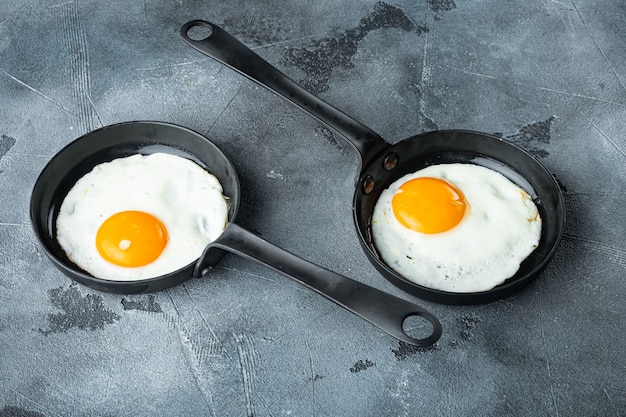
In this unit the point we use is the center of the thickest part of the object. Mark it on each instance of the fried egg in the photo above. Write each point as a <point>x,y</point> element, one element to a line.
<point>141,216</point>
<point>455,227</point>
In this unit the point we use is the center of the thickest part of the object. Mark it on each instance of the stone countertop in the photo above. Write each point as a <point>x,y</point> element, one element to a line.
<point>548,76</point>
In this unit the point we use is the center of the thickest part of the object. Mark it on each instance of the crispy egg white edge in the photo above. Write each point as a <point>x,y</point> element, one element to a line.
<point>500,230</point>
<point>185,197</point>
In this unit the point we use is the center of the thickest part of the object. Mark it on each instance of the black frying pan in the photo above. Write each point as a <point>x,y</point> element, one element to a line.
<point>382,163</point>
<point>79,157</point>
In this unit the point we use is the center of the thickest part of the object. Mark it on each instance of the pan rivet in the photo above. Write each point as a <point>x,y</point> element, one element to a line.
<point>390,161</point>
<point>368,184</point>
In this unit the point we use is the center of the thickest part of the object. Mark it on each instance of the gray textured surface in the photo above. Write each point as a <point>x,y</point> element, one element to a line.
<point>547,75</point>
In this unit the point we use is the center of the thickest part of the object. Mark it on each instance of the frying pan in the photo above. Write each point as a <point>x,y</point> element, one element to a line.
<point>382,163</point>
<point>120,140</point>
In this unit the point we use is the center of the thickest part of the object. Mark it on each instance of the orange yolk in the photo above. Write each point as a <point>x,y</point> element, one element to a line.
<point>429,205</point>
<point>131,238</point>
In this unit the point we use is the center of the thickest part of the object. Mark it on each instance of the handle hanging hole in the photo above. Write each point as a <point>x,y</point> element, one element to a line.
<point>418,327</point>
<point>199,32</point>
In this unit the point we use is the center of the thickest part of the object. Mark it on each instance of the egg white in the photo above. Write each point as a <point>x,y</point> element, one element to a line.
<point>499,230</point>
<point>187,199</point>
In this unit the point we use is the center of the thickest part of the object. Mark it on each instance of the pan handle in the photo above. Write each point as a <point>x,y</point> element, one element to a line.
<point>383,310</point>
<point>227,50</point>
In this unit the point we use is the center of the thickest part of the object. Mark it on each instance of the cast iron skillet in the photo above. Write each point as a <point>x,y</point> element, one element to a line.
<point>79,157</point>
<point>382,163</point>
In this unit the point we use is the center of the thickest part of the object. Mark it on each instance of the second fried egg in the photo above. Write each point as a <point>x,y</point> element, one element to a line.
<point>455,227</point>
<point>141,216</point>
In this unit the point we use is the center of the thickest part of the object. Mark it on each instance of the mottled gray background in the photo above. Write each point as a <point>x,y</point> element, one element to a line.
<point>547,75</point>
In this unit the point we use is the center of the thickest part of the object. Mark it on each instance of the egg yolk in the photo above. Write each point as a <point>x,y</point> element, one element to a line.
<point>131,238</point>
<point>429,205</point>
